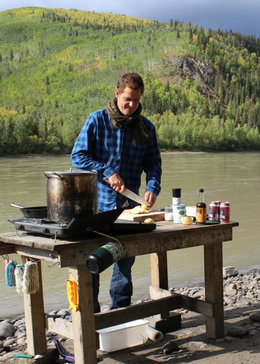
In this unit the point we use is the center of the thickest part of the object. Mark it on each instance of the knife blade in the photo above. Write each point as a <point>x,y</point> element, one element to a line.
<point>133,196</point>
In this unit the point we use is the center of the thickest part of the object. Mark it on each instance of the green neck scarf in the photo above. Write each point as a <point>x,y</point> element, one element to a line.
<point>140,134</point>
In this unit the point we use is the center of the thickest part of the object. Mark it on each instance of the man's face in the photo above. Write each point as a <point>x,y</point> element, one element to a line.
<point>128,100</point>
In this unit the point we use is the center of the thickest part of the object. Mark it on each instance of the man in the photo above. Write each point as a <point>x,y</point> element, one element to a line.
<point>120,144</point>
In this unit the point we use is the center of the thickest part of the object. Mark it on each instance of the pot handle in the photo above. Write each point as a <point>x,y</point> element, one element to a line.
<point>56,174</point>
<point>15,205</point>
<point>47,174</point>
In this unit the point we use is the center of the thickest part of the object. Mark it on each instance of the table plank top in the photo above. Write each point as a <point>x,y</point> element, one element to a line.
<point>164,231</point>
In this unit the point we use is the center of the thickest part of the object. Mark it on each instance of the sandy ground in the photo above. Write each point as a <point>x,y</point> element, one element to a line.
<point>194,346</point>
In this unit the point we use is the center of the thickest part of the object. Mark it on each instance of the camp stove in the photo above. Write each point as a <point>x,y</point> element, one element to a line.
<point>106,222</point>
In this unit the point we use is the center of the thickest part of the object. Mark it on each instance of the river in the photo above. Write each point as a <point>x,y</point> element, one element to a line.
<point>233,177</point>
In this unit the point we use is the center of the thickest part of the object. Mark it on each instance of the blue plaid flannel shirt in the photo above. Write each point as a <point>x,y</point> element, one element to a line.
<point>107,149</point>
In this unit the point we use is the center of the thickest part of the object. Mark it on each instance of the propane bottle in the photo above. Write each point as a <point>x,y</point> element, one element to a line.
<point>201,208</point>
<point>105,256</point>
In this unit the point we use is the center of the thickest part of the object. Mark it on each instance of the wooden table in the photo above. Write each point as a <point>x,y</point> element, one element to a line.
<point>73,254</point>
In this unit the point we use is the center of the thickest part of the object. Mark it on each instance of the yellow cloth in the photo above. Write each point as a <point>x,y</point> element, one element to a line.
<point>72,293</point>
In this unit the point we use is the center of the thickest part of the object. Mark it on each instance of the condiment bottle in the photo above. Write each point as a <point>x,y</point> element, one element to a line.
<point>201,209</point>
<point>168,213</point>
<point>176,196</point>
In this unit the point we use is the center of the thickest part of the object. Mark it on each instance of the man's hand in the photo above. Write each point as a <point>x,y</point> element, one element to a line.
<point>150,198</point>
<point>116,183</point>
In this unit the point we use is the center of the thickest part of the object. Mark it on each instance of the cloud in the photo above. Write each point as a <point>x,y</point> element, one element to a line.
<point>240,16</point>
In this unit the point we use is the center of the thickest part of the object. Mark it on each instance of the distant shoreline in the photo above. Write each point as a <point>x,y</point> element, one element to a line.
<point>171,152</point>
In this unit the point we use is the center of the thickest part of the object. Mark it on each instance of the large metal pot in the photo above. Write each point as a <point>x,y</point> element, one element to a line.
<point>71,194</point>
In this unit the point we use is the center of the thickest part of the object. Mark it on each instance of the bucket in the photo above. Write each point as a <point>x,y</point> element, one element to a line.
<point>71,194</point>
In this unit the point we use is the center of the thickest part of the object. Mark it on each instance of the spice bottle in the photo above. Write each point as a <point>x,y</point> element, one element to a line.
<point>201,209</point>
<point>168,213</point>
<point>105,256</point>
<point>176,196</point>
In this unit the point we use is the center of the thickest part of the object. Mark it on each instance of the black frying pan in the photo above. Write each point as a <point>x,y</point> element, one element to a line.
<point>102,221</point>
<point>36,212</point>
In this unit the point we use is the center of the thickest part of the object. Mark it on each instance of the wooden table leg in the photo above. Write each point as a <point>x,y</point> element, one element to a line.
<point>159,270</point>
<point>159,273</point>
<point>213,264</point>
<point>35,319</point>
<point>83,320</point>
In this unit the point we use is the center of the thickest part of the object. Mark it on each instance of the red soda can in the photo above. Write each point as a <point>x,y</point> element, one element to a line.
<point>214,211</point>
<point>224,212</point>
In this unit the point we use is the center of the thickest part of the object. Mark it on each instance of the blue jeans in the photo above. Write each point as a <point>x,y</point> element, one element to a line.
<point>95,287</point>
<point>121,286</point>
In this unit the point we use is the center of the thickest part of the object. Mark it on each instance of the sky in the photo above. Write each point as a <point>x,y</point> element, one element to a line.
<point>241,16</point>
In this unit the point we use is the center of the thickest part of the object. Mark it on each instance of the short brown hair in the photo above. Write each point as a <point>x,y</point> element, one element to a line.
<point>130,79</point>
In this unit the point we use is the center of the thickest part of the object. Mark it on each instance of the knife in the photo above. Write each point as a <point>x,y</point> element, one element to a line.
<point>133,196</point>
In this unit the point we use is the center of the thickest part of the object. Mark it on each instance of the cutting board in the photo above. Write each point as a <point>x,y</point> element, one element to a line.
<point>155,215</point>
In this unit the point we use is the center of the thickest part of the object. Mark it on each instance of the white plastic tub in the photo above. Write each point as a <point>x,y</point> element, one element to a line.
<point>123,336</point>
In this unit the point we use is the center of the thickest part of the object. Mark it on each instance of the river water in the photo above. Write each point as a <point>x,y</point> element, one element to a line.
<point>233,177</point>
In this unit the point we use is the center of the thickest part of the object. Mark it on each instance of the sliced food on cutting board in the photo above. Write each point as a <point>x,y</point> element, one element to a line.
<point>139,213</point>
<point>140,209</point>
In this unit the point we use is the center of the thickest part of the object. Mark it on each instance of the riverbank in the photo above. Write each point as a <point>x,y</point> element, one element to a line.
<point>189,344</point>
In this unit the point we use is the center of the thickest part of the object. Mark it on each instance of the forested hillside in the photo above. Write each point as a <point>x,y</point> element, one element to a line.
<point>202,87</point>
